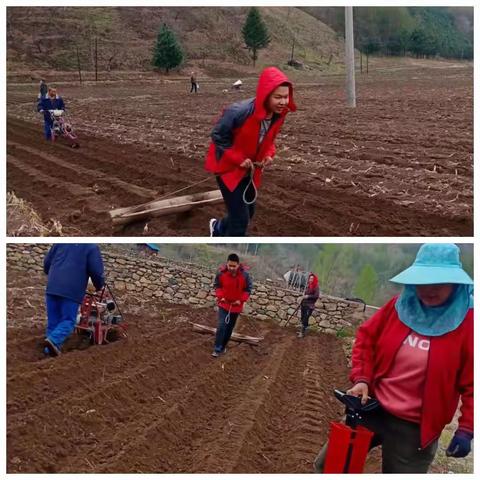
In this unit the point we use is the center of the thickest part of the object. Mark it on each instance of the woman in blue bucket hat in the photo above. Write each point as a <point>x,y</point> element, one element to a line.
<point>415,355</point>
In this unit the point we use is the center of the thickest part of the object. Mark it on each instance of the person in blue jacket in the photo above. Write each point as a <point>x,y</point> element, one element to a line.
<point>68,266</point>
<point>50,101</point>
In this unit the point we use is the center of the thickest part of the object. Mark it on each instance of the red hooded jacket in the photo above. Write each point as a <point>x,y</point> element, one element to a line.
<point>232,288</point>
<point>235,137</point>
<point>449,369</point>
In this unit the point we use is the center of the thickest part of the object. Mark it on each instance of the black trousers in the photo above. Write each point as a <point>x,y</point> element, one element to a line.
<point>239,214</point>
<point>225,325</point>
<point>306,312</point>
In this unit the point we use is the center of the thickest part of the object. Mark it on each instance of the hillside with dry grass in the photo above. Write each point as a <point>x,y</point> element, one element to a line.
<point>48,38</point>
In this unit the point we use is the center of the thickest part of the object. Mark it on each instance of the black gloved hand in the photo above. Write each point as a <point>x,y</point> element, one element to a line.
<point>460,445</point>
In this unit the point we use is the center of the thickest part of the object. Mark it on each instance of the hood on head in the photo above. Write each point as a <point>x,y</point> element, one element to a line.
<point>314,282</point>
<point>270,79</point>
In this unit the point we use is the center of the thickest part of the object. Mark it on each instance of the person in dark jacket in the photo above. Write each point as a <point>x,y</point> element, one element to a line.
<point>193,81</point>
<point>232,289</point>
<point>415,356</point>
<point>68,266</point>
<point>43,88</point>
<point>243,145</point>
<point>307,305</point>
<point>48,102</point>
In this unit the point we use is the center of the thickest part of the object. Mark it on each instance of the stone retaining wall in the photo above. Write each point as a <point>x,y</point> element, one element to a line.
<point>187,283</point>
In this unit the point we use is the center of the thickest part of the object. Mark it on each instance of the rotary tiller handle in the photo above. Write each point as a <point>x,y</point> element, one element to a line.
<point>102,293</point>
<point>107,286</point>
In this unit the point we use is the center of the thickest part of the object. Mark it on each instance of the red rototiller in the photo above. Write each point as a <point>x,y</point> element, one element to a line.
<point>100,317</point>
<point>61,127</point>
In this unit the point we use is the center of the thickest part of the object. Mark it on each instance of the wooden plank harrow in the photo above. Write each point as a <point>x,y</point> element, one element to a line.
<point>236,337</point>
<point>158,208</point>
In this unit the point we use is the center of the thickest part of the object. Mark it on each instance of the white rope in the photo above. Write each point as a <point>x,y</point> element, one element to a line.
<point>255,195</point>
<point>184,188</point>
<point>227,318</point>
<point>247,202</point>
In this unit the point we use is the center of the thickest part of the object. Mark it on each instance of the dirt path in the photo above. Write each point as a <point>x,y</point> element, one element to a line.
<point>400,164</point>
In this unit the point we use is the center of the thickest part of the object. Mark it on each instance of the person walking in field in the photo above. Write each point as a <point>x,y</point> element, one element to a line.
<point>415,356</point>
<point>193,81</point>
<point>307,304</point>
<point>243,144</point>
<point>51,101</point>
<point>232,289</point>
<point>68,266</point>
<point>43,88</point>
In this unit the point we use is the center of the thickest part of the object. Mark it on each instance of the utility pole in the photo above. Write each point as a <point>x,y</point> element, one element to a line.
<point>96,61</point>
<point>350,58</point>
<point>79,68</point>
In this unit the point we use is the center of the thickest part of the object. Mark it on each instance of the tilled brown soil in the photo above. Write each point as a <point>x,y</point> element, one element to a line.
<point>401,163</point>
<point>158,402</point>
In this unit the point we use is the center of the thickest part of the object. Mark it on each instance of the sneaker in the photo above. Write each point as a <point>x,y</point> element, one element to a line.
<point>53,350</point>
<point>211,225</point>
<point>220,353</point>
<point>301,334</point>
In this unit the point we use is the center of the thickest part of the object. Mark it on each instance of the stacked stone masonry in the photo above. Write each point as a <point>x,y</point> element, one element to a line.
<point>159,278</point>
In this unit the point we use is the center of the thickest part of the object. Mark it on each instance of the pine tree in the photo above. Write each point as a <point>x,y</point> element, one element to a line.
<point>167,53</point>
<point>255,33</point>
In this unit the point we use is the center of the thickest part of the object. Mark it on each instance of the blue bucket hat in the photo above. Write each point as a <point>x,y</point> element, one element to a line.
<point>435,263</point>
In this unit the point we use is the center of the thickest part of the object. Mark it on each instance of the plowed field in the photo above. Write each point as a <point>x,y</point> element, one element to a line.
<point>158,402</point>
<point>401,163</point>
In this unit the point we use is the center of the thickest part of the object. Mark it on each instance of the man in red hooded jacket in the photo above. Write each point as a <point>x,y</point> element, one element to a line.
<point>232,289</point>
<point>243,145</point>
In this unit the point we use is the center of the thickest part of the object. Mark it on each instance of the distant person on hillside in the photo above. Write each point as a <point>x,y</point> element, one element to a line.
<point>415,356</point>
<point>232,289</point>
<point>193,81</point>
<point>43,88</point>
<point>307,304</point>
<point>68,266</point>
<point>51,101</point>
<point>243,145</point>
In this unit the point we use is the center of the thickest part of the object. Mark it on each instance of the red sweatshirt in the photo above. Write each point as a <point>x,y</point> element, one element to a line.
<point>232,288</point>
<point>449,371</point>
<point>400,392</point>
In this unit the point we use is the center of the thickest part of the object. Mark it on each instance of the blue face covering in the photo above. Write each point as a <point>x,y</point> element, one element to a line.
<point>434,321</point>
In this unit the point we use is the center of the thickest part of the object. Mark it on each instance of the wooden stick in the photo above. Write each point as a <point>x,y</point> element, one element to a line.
<point>236,337</point>
<point>169,206</point>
